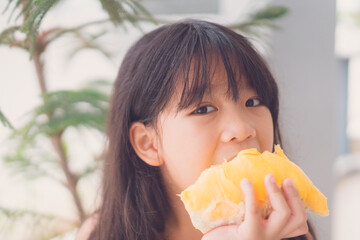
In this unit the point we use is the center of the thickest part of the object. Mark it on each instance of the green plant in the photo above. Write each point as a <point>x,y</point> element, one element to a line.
<point>65,110</point>
<point>260,19</point>
<point>5,121</point>
<point>61,110</point>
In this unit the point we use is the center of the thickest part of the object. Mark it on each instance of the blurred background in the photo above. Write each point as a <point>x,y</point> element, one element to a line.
<point>55,85</point>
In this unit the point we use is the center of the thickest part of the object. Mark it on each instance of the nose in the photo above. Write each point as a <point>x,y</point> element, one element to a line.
<point>237,128</point>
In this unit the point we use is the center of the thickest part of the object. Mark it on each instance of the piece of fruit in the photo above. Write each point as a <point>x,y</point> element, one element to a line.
<point>216,198</point>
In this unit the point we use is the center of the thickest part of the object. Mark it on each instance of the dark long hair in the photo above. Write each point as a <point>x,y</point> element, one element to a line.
<point>135,204</point>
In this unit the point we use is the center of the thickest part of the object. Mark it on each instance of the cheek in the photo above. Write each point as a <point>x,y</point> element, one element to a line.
<point>266,132</point>
<point>185,152</point>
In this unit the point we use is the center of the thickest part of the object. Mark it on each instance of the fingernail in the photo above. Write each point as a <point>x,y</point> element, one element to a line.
<point>245,183</point>
<point>272,179</point>
<point>272,186</point>
<point>291,186</point>
<point>290,183</point>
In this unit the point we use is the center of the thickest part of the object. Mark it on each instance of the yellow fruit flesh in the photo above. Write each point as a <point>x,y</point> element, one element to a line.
<point>219,188</point>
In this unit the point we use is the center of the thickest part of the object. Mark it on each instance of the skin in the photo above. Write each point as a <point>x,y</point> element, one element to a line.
<point>288,218</point>
<point>192,140</point>
<point>185,143</point>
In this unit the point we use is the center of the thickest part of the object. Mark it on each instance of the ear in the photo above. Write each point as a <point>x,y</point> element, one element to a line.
<point>144,141</point>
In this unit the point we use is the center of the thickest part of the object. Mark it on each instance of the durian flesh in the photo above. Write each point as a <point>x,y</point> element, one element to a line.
<point>216,199</point>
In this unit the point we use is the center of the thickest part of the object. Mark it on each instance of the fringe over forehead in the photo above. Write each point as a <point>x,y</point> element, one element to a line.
<point>185,53</point>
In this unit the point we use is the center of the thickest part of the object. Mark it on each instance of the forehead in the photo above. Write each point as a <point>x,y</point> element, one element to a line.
<point>195,83</point>
<point>215,75</point>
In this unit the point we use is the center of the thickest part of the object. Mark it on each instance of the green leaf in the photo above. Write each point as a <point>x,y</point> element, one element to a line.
<point>59,32</point>
<point>95,84</point>
<point>29,158</point>
<point>86,107</point>
<point>79,100</point>
<point>251,25</point>
<point>5,121</point>
<point>20,5</point>
<point>7,36</point>
<point>89,42</point>
<point>270,13</point>
<point>144,11</point>
<point>259,21</point>
<point>33,154</point>
<point>35,16</point>
<point>40,225</point>
<point>118,13</point>
<point>33,13</point>
<point>73,119</point>
<point>114,9</point>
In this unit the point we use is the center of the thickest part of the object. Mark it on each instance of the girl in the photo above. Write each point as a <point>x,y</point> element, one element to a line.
<point>188,96</point>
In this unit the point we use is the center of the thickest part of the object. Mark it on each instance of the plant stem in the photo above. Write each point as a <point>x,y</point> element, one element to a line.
<point>71,179</point>
<point>39,66</point>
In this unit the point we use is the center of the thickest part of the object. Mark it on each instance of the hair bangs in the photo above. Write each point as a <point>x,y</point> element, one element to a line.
<point>209,52</point>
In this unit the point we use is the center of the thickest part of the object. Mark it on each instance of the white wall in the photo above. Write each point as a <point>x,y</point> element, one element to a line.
<point>312,100</point>
<point>303,61</point>
<point>19,93</point>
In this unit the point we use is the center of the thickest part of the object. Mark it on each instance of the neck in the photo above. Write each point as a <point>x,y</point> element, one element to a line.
<point>178,225</point>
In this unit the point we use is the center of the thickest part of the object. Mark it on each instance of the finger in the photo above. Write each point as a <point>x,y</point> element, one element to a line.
<point>297,224</point>
<point>281,211</point>
<point>225,232</point>
<point>303,230</point>
<point>252,210</point>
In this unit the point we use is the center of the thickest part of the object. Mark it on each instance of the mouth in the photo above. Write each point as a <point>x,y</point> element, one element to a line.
<point>231,157</point>
<point>228,159</point>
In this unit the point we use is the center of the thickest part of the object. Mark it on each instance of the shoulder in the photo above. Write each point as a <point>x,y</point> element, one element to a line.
<point>309,236</point>
<point>87,227</point>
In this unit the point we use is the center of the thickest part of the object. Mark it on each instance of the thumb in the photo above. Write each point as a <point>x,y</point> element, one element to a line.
<point>229,232</point>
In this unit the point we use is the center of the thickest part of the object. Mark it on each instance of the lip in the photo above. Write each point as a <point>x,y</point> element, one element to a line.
<point>228,159</point>
<point>231,158</point>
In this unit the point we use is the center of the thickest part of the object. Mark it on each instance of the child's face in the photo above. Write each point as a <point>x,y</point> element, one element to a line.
<point>196,138</point>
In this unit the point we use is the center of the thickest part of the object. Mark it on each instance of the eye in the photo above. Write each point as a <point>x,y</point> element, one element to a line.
<point>253,102</point>
<point>204,110</point>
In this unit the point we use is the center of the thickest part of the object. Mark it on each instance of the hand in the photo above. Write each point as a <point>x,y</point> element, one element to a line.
<point>287,219</point>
